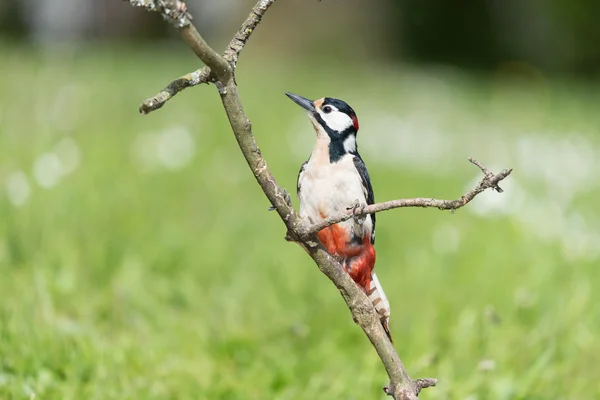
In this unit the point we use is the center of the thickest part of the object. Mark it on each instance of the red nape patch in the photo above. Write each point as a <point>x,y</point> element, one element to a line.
<point>355,121</point>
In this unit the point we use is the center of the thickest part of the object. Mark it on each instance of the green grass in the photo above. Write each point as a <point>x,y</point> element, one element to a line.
<point>134,281</point>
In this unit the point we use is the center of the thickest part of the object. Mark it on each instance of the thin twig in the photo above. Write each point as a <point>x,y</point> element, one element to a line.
<point>489,175</point>
<point>239,40</point>
<point>191,79</point>
<point>490,180</point>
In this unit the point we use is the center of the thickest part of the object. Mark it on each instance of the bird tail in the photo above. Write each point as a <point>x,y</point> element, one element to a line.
<point>381,303</point>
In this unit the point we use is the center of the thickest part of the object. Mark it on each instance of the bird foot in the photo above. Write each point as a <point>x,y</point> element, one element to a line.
<point>358,218</point>
<point>287,198</point>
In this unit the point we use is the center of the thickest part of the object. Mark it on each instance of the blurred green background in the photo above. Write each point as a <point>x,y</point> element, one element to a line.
<point>137,256</point>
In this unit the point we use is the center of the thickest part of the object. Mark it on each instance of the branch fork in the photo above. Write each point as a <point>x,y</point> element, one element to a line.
<point>220,69</point>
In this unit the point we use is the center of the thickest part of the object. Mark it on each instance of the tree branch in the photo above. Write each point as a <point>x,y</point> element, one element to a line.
<point>240,39</point>
<point>199,46</point>
<point>173,11</point>
<point>191,79</point>
<point>401,386</point>
<point>490,180</point>
<point>213,60</point>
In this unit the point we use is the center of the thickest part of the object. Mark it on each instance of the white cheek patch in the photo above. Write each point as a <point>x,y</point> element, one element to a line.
<point>350,144</point>
<point>338,121</point>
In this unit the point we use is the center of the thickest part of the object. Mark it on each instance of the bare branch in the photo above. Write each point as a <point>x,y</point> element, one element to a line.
<point>191,79</point>
<point>173,11</point>
<point>489,181</point>
<point>213,60</point>
<point>200,47</point>
<point>489,175</point>
<point>240,39</point>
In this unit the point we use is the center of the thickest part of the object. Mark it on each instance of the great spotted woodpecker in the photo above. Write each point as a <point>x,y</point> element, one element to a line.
<point>335,179</point>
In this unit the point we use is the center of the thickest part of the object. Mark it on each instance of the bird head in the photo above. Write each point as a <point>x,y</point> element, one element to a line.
<point>331,118</point>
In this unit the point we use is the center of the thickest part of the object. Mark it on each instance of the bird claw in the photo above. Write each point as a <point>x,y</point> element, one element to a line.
<point>288,200</point>
<point>358,219</point>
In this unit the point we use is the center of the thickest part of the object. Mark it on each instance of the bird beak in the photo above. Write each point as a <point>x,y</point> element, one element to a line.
<point>303,102</point>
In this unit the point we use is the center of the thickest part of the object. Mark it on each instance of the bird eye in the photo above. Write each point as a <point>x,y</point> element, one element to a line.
<point>326,109</point>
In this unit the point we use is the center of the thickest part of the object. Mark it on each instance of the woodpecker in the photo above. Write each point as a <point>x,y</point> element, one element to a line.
<point>335,179</point>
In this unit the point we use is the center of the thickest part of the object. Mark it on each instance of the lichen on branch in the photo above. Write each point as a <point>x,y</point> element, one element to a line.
<point>173,11</point>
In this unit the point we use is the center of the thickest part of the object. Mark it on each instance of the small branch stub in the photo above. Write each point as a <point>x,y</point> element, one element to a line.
<point>424,383</point>
<point>191,79</point>
<point>492,179</point>
<point>402,393</point>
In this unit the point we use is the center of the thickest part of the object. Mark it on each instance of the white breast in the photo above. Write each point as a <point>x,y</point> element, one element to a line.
<point>328,189</point>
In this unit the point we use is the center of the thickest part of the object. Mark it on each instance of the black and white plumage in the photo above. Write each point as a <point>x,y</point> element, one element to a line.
<point>334,179</point>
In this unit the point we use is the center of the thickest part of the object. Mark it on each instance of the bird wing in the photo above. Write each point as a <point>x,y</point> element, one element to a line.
<point>300,177</point>
<point>367,188</point>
